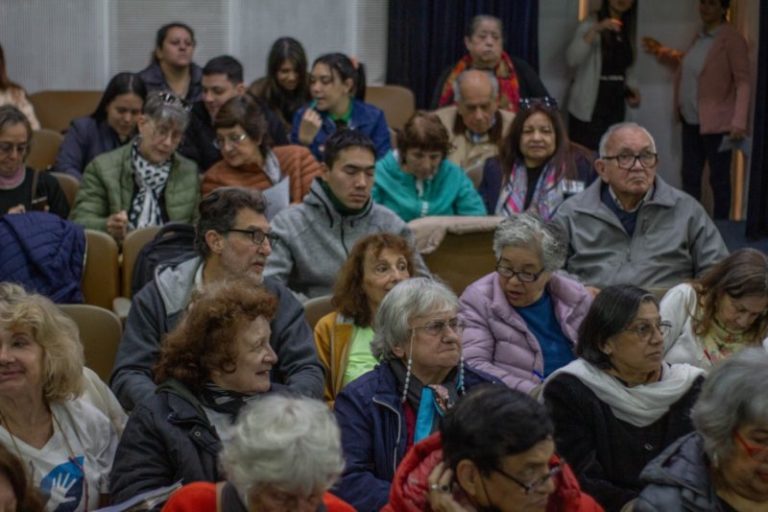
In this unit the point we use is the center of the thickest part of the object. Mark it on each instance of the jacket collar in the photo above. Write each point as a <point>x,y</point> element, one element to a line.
<point>664,196</point>
<point>318,199</point>
<point>386,388</point>
<point>175,284</point>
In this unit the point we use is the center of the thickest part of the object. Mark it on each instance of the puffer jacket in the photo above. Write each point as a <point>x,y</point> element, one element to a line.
<point>679,479</point>
<point>168,439</point>
<point>496,339</point>
<point>374,434</point>
<point>410,486</point>
<point>108,187</point>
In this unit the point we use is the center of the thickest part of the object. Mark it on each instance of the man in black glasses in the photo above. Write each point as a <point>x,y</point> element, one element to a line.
<point>232,240</point>
<point>633,227</point>
<point>222,80</point>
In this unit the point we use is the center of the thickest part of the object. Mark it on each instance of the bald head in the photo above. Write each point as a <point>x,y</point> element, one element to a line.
<point>476,93</point>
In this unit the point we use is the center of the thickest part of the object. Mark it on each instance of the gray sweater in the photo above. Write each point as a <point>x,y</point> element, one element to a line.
<point>156,310</point>
<point>315,240</point>
<point>674,240</point>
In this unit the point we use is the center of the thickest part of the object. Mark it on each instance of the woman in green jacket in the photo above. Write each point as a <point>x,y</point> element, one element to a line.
<point>417,180</point>
<point>144,183</point>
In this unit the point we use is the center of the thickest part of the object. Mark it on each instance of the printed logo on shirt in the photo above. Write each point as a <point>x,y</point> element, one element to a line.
<point>64,486</point>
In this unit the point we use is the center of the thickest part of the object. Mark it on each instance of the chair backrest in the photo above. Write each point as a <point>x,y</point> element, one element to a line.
<point>317,308</point>
<point>458,250</point>
<point>101,283</point>
<point>397,102</point>
<point>69,185</point>
<point>132,245</point>
<point>100,333</point>
<point>56,109</point>
<point>44,148</point>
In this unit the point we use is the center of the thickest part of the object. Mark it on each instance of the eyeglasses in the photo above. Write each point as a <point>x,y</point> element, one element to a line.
<point>235,140</point>
<point>257,236</point>
<point>523,277</point>
<point>171,99</point>
<point>6,148</point>
<point>645,330</point>
<point>437,327</point>
<point>529,488</point>
<point>544,101</point>
<point>627,160</point>
<point>755,451</point>
<point>160,133</point>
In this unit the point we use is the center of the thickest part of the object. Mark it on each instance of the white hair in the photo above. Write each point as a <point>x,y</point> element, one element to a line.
<point>621,126</point>
<point>412,298</point>
<point>530,231</point>
<point>291,442</point>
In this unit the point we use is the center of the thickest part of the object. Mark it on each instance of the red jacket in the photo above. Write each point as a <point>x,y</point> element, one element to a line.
<point>409,487</point>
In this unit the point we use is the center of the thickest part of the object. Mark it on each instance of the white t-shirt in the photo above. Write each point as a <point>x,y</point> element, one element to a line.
<point>83,440</point>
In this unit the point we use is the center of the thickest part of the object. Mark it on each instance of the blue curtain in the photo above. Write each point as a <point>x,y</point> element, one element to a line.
<point>427,36</point>
<point>757,210</point>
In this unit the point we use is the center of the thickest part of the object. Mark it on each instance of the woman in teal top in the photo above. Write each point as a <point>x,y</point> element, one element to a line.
<point>417,180</point>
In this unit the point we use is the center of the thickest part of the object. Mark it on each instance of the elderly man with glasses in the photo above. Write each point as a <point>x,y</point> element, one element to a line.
<point>633,227</point>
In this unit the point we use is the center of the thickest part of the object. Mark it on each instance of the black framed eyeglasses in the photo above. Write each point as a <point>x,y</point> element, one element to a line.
<point>257,236</point>
<point>7,147</point>
<point>523,277</point>
<point>530,487</point>
<point>627,161</point>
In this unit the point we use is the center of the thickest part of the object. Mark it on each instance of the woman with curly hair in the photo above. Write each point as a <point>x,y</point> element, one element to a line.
<point>720,313</point>
<point>216,361</point>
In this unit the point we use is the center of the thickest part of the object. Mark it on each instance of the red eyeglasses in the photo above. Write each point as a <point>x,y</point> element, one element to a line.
<point>755,451</point>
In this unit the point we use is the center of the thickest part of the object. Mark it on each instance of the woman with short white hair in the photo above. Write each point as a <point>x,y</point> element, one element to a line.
<point>284,454</point>
<point>522,320</point>
<point>400,402</point>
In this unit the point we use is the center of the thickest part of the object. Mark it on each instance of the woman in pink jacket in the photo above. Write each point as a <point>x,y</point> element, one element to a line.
<point>522,320</point>
<point>712,88</point>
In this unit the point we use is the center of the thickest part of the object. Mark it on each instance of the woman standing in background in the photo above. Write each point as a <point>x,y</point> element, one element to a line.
<point>602,54</point>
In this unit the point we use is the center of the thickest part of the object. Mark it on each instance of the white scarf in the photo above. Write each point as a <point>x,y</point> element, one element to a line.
<point>150,180</point>
<point>638,405</point>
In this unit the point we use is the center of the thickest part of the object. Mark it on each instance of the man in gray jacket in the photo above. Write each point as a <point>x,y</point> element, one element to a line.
<point>317,235</point>
<point>631,226</point>
<point>233,240</point>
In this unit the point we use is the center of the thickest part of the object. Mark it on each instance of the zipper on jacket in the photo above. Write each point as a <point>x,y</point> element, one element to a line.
<point>399,431</point>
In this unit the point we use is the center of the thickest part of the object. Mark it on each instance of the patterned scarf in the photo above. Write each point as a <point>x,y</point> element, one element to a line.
<point>509,87</point>
<point>150,180</point>
<point>223,400</point>
<point>546,197</point>
<point>430,402</point>
<point>720,343</point>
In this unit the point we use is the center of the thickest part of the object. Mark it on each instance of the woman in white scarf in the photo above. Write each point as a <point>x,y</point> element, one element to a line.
<point>619,405</point>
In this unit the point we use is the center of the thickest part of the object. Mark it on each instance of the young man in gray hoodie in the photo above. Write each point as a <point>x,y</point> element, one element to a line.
<point>317,235</point>
<point>232,239</point>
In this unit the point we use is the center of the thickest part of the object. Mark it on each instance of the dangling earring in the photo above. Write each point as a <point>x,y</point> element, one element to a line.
<point>461,373</point>
<point>408,368</point>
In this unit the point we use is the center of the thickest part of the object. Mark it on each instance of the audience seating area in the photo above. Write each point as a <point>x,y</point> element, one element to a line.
<point>100,332</point>
<point>44,148</point>
<point>56,109</point>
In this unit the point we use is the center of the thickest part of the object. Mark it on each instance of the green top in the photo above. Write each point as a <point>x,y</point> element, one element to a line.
<point>360,359</point>
<point>347,115</point>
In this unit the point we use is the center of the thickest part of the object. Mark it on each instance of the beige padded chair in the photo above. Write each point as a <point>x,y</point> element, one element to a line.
<point>44,148</point>
<point>101,283</point>
<point>132,245</point>
<point>69,185</point>
<point>100,333</point>
<point>317,308</point>
<point>397,102</point>
<point>458,250</point>
<point>56,109</point>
